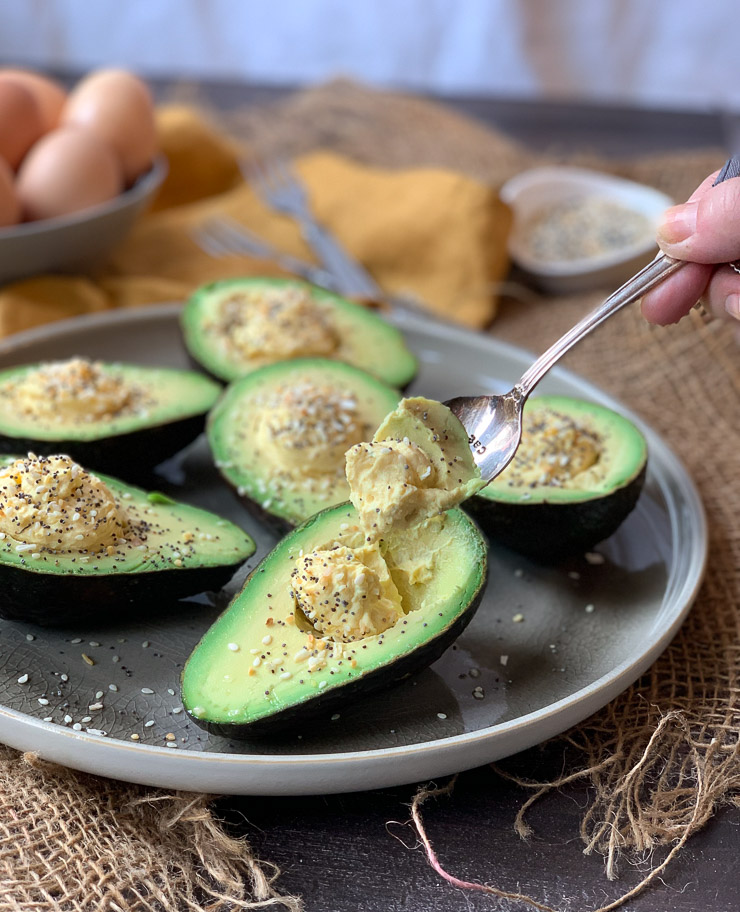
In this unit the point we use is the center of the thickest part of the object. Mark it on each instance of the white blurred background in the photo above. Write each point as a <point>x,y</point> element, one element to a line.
<point>652,53</point>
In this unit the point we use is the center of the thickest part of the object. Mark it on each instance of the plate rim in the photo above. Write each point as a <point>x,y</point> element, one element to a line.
<point>436,757</point>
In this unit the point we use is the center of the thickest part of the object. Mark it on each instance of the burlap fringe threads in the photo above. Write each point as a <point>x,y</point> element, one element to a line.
<point>624,813</point>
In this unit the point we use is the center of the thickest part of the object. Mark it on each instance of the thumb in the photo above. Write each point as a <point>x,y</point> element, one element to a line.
<point>706,229</point>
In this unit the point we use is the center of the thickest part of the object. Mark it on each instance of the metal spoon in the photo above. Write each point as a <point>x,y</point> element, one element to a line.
<point>494,423</point>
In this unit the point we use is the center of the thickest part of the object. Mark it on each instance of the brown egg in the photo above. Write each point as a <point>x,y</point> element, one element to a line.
<point>49,95</point>
<point>21,123</point>
<point>66,171</point>
<point>10,207</point>
<point>117,106</point>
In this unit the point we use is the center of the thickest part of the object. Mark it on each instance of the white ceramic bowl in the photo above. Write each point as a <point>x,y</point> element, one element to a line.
<point>539,188</point>
<point>75,242</point>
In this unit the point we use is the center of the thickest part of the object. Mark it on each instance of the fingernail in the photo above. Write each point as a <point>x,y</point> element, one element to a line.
<point>732,305</point>
<point>679,223</point>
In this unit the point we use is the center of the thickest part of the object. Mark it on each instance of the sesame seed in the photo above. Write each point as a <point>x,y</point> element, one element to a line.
<point>23,679</point>
<point>145,644</point>
<point>64,677</point>
<point>170,736</point>
<point>147,690</point>
<point>30,637</point>
<point>589,609</point>
<point>93,707</point>
<point>234,647</point>
<point>441,715</point>
<point>171,744</point>
<point>96,731</point>
<point>98,694</point>
<point>113,687</point>
<point>518,618</point>
<point>149,723</point>
<point>87,659</point>
<point>67,719</point>
<point>170,691</point>
<point>335,717</point>
<point>504,659</point>
<point>285,676</point>
<point>43,701</point>
<point>77,727</point>
<point>135,737</point>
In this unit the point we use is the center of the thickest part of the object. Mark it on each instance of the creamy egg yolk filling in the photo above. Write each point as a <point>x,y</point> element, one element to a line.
<point>280,324</point>
<point>54,504</point>
<point>305,429</point>
<point>76,390</point>
<point>555,451</point>
<point>398,482</point>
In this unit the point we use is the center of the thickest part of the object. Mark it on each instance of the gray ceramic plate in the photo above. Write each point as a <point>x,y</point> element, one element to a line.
<point>536,677</point>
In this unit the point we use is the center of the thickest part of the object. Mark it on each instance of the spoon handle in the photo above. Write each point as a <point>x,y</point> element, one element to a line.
<point>652,274</point>
<point>648,277</point>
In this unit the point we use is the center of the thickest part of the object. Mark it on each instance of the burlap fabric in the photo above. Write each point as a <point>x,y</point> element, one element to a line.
<point>661,757</point>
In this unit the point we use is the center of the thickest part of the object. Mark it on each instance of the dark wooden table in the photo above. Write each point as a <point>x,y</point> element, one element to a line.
<point>339,852</point>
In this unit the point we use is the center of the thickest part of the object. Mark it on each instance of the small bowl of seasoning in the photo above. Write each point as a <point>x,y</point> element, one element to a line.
<point>576,229</point>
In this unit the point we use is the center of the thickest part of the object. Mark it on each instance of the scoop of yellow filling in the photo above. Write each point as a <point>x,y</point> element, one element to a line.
<point>419,464</point>
<point>554,451</point>
<point>307,428</point>
<point>279,323</point>
<point>73,390</point>
<point>391,484</point>
<point>55,504</point>
<point>346,593</point>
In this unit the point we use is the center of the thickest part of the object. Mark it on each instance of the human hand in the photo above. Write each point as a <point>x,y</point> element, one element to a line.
<point>705,230</point>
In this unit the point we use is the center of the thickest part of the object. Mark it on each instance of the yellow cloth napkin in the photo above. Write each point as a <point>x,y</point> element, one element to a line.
<point>429,233</point>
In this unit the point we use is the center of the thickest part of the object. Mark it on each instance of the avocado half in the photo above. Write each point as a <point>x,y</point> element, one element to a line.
<point>551,522</point>
<point>287,496</point>
<point>363,338</point>
<point>59,588</point>
<point>173,415</point>
<point>251,674</point>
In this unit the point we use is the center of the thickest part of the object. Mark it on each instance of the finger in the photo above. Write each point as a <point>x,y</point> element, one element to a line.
<point>722,295</point>
<point>706,229</point>
<point>704,186</point>
<point>675,297</point>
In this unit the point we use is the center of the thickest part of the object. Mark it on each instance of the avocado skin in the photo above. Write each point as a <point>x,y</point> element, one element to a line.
<point>52,599</point>
<point>551,533</point>
<point>130,456</point>
<point>370,683</point>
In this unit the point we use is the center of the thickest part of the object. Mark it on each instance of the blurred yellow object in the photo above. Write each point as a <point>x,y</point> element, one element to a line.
<point>430,233</point>
<point>33,302</point>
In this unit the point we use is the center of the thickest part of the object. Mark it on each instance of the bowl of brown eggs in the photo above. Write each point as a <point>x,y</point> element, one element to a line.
<point>76,169</point>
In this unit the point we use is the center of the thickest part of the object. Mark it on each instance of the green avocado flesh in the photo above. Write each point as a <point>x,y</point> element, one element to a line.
<point>167,395</point>
<point>358,336</point>
<point>172,550</point>
<point>259,667</point>
<point>576,476</point>
<point>281,461</point>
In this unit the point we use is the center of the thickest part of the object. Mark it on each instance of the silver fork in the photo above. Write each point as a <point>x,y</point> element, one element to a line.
<point>222,235</point>
<point>279,187</point>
